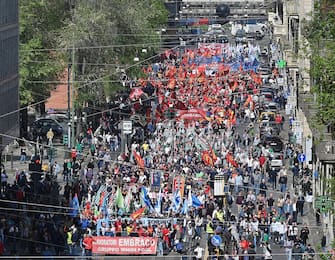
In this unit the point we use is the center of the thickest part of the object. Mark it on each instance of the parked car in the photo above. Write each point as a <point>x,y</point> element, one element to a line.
<point>60,118</point>
<point>223,39</point>
<point>216,28</point>
<point>273,142</point>
<point>240,36</point>
<point>41,126</point>
<point>268,96</point>
<point>267,117</point>
<point>276,160</point>
<point>271,107</point>
<point>264,70</point>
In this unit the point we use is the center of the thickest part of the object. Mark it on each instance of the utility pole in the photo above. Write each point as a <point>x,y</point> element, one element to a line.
<point>69,105</point>
<point>72,93</point>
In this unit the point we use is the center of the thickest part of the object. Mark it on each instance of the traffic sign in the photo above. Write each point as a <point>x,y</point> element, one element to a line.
<point>301,157</point>
<point>127,126</point>
<point>282,64</point>
<point>65,139</point>
<point>323,203</point>
<point>216,240</point>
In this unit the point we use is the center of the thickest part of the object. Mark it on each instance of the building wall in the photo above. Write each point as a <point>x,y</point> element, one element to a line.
<point>290,32</point>
<point>9,77</point>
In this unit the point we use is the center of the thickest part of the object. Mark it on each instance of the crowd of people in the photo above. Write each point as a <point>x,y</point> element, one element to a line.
<point>201,108</point>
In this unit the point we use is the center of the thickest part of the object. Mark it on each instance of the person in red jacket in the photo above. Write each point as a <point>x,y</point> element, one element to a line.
<point>279,120</point>
<point>165,234</point>
<point>118,227</point>
<point>87,243</point>
<point>244,244</point>
<point>262,161</point>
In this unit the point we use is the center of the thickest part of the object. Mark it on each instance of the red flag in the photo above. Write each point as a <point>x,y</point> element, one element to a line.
<point>214,157</point>
<point>136,93</point>
<point>207,189</point>
<point>180,105</point>
<point>139,160</point>
<point>137,214</point>
<point>247,102</point>
<point>231,160</point>
<point>102,196</point>
<point>206,158</point>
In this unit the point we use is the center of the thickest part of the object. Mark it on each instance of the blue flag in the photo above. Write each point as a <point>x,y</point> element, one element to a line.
<point>75,206</point>
<point>176,201</point>
<point>145,198</point>
<point>196,202</point>
<point>158,204</point>
<point>104,205</point>
<point>185,209</point>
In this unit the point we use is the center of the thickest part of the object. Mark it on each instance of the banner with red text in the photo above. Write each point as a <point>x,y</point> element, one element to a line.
<point>124,245</point>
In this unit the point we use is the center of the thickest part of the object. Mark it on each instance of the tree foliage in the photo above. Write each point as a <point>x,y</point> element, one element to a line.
<point>320,33</point>
<point>106,36</point>
<point>39,22</point>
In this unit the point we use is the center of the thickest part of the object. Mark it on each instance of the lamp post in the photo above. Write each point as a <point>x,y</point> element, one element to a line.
<point>72,94</point>
<point>69,105</point>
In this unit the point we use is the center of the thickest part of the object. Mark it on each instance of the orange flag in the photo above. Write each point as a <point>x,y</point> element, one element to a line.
<point>247,102</point>
<point>214,157</point>
<point>206,158</point>
<point>230,160</point>
<point>101,198</point>
<point>138,159</point>
<point>137,214</point>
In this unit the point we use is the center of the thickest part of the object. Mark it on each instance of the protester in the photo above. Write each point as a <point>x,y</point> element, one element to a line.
<point>199,107</point>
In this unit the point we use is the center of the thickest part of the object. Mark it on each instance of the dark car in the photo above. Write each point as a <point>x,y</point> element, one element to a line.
<point>273,142</point>
<point>240,37</point>
<point>223,38</point>
<point>40,127</point>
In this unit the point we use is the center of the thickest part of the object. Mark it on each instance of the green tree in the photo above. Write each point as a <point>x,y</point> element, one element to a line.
<point>39,22</point>
<point>106,36</point>
<point>320,32</point>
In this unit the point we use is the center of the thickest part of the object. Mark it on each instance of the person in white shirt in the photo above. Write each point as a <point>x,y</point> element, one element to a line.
<point>282,230</point>
<point>238,182</point>
<point>199,251</point>
<point>251,196</point>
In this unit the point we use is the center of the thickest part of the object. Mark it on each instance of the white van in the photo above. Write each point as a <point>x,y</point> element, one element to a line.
<point>215,29</point>
<point>254,28</point>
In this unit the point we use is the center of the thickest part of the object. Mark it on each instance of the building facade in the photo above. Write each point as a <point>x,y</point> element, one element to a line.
<point>317,143</point>
<point>9,72</point>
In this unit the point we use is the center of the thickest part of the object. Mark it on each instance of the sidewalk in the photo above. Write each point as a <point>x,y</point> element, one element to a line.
<point>12,163</point>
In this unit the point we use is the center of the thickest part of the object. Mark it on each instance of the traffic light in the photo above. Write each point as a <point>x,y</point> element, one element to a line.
<point>35,167</point>
<point>65,139</point>
<point>52,153</point>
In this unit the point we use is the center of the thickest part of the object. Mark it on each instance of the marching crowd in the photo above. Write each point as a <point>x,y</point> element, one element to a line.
<point>162,183</point>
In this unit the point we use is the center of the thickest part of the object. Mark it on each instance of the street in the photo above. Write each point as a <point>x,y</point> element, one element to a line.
<point>198,154</point>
